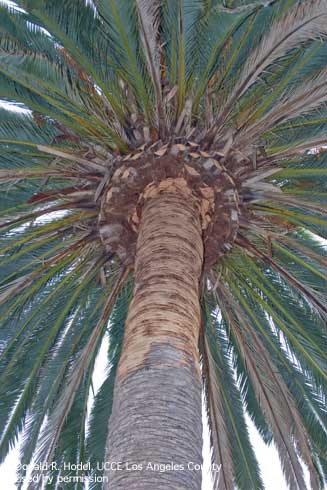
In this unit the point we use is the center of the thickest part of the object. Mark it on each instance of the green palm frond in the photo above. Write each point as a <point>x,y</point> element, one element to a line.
<point>217,358</point>
<point>25,378</point>
<point>265,316</point>
<point>286,33</point>
<point>88,56</point>
<point>78,331</point>
<point>81,364</point>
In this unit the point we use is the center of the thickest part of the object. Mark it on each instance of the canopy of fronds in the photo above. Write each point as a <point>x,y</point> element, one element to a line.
<point>101,82</point>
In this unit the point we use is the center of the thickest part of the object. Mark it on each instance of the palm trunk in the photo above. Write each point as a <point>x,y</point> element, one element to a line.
<point>156,417</point>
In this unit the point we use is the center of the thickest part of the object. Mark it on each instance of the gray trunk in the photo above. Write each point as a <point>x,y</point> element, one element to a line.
<point>156,417</point>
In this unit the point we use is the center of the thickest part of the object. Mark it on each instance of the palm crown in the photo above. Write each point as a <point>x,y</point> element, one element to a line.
<point>226,97</point>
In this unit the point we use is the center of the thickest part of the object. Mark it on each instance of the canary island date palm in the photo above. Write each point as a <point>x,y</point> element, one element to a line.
<point>164,187</point>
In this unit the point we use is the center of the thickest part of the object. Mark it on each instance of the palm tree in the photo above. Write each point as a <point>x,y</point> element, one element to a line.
<point>164,187</point>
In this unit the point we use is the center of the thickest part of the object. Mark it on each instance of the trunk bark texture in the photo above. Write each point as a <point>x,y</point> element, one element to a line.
<point>156,417</point>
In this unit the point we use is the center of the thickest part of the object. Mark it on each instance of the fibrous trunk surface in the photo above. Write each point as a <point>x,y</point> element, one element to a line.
<point>156,417</point>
